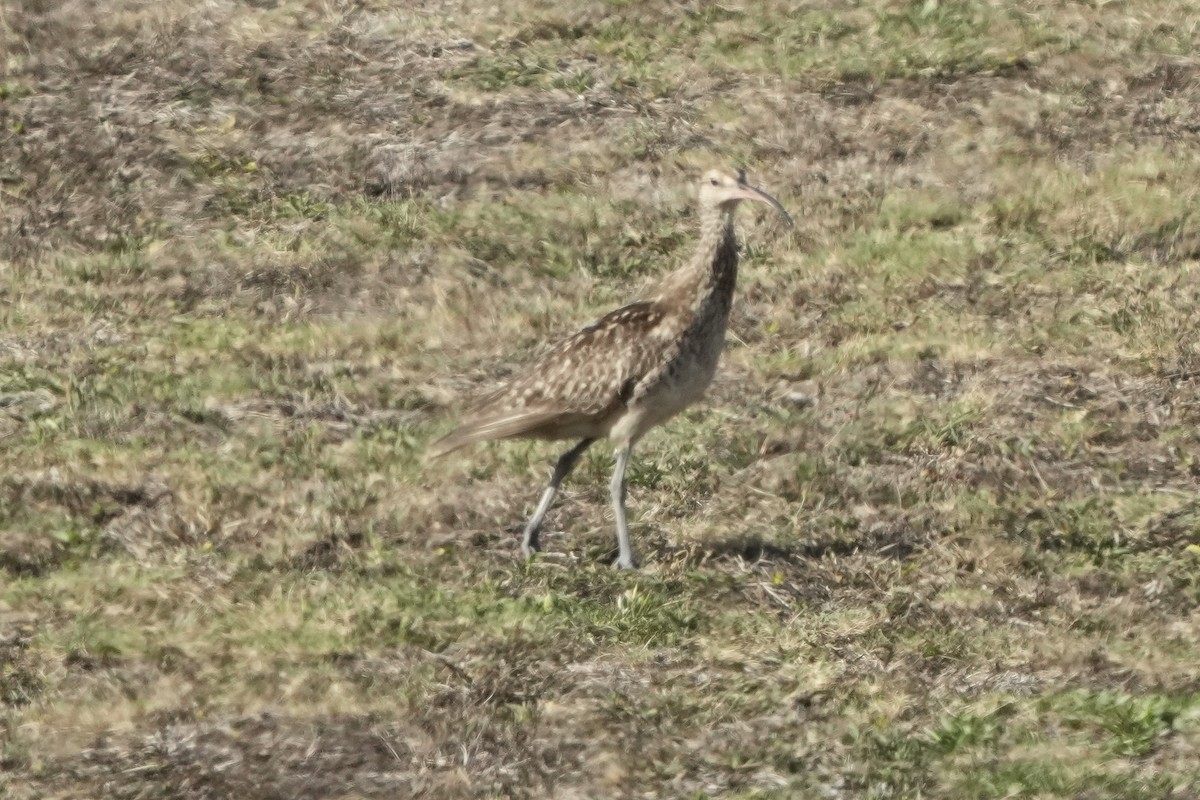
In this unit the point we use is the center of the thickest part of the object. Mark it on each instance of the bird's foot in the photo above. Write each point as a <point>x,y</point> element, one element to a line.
<point>625,562</point>
<point>529,541</point>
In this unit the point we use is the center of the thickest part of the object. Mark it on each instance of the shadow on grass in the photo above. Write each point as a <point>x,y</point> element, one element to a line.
<point>892,543</point>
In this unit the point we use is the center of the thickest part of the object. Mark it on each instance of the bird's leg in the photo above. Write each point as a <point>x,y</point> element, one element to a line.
<point>566,463</point>
<point>625,558</point>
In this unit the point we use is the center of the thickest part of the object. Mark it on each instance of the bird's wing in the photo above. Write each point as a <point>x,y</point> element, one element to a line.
<point>581,379</point>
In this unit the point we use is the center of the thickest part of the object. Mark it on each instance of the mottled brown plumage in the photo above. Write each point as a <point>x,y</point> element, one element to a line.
<point>632,369</point>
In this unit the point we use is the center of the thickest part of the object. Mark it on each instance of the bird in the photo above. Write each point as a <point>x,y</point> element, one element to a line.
<point>629,371</point>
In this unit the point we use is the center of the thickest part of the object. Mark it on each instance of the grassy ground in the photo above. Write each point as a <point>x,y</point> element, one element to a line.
<point>935,533</point>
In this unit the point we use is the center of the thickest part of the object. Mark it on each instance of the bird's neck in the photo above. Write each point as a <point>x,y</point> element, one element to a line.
<point>712,272</point>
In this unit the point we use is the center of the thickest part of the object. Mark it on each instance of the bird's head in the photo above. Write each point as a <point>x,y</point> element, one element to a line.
<point>721,190</point>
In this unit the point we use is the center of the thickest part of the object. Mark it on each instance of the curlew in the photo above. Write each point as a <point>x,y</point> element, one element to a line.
<point>630,370</point>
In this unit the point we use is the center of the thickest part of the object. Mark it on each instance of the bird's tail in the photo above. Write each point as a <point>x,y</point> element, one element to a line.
<point>449,443</point>
<point>524,422</point>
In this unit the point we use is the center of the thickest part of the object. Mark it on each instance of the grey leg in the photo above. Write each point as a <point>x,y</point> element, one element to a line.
<point>566,463</point>
<point>625,558</point>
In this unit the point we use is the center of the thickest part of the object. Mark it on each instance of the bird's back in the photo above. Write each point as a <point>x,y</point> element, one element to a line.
<point>579,387</point>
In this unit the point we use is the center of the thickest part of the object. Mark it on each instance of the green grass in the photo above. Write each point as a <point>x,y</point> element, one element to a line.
<point>932,534</point>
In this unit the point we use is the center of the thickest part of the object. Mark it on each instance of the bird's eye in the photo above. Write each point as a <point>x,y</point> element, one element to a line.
<point>713,181</point>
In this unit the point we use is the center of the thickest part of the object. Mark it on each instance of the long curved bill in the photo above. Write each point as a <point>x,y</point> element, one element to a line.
<point>748,192</point>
